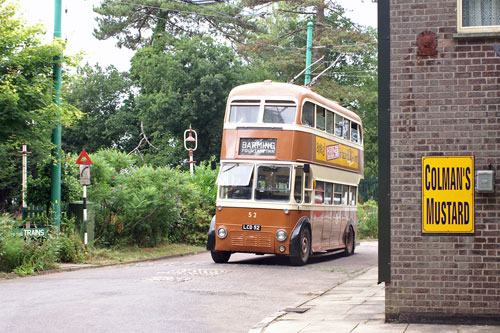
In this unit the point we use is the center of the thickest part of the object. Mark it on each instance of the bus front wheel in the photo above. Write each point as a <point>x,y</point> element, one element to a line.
<point>304,248</point>
<point>220,257</point>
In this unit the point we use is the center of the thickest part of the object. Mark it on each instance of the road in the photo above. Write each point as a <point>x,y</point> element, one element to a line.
<point>185,294</point>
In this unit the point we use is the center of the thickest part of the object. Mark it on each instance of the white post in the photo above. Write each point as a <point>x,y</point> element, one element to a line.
<point>25,172</point>
<point>85,213</point>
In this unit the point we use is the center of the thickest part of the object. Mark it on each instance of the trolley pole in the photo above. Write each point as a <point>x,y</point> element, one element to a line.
<point>187,139</point>
<point>308,53</point>
<point>55,192</point>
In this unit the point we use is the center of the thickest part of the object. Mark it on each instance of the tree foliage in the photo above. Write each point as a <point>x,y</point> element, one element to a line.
<point>106,99</point>
<point>137,23</point>
<point>185,82</point>
<point>27,113</point>
<point>270,38</point>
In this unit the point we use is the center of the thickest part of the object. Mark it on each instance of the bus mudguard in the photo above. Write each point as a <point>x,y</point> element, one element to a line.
<point>294,238</point>
<point>211,235</point>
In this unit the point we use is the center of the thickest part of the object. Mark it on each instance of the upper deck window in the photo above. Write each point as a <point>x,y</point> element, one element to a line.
<point>478,15</point>
<point>244,111</point>
<point>355,134</point>
<point>339,125</point>
<point>329,121</point>
<point>320,118</point>
<point>279,114</point>
<point>308,114</point>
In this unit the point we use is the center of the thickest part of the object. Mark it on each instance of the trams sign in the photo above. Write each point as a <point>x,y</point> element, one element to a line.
<point>448,195</point>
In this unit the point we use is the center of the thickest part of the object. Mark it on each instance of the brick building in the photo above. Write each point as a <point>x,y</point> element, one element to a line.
<point>439,96</point>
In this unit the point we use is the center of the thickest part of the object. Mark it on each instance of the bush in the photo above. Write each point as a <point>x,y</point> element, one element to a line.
<point>368,219</point>
<point>146,206</point>
<point>26,256</point>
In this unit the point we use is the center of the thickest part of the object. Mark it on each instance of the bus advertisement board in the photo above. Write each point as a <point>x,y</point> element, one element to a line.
<point>448,195</point>
<point>336,153</point>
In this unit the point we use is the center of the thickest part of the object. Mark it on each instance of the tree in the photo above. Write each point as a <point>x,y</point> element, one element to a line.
<point>137,23</point>
<point>352,81</point>
<point>106,99</point>
<point>185,84</point>
<point>27,113</point>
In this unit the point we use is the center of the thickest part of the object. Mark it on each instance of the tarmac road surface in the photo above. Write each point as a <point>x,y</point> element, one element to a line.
<point>183,294</point>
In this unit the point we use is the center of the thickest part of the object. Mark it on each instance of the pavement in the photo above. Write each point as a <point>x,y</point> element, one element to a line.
<point>355,306</point>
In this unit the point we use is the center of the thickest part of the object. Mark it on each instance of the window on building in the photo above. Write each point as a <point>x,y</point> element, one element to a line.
<point>478,15</point>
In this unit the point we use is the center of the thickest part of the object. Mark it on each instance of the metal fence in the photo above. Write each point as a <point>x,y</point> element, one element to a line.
<point>368,190</point>
<point>33,211</point>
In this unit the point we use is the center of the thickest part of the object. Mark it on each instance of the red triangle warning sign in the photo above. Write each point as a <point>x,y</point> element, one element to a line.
<point>83,158</point>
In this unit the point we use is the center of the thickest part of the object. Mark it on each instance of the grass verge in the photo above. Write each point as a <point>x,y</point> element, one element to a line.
<point>124,254</point>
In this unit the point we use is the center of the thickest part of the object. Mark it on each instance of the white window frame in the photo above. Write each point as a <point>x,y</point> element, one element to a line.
<point>475,29</point>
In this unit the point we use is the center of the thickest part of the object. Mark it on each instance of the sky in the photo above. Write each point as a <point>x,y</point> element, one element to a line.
<point>78,24</point>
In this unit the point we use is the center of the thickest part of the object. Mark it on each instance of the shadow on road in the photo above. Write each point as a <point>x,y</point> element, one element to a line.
<point>277,260</point>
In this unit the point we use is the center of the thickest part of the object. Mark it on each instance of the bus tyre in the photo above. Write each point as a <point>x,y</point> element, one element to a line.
<point>220,257</point>
<point>304,248</point>
<point>349,242</point>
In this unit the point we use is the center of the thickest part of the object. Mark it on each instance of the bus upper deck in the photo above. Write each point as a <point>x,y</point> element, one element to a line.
<point>279,121</point>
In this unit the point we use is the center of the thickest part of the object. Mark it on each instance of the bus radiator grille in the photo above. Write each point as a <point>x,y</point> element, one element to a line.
<point>243,239</point>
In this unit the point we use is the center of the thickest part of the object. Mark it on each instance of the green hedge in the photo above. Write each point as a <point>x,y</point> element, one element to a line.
<point>146,206</point>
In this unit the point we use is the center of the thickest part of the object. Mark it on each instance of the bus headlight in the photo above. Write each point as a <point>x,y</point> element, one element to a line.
<point>281,235</point>
<point>222,232</point>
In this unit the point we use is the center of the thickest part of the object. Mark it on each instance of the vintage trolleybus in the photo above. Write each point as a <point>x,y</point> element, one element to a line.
<point>291,162</point>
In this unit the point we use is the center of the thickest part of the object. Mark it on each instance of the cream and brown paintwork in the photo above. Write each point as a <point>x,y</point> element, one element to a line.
<point>295,145</point>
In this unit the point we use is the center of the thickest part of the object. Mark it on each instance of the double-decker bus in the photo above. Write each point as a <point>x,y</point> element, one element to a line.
<point>290,164</point>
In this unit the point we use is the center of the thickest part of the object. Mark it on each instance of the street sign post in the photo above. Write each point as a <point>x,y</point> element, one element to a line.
<point>85,163</point>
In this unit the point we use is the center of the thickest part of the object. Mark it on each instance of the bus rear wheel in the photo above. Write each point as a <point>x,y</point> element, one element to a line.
<point>304,248</point>
<point>220,257</point>
<point>350,242</point>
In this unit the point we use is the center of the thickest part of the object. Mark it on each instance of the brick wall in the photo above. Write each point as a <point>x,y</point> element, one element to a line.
<point>443,105</point>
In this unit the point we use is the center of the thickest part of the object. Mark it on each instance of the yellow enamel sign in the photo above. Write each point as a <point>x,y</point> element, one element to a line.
<point>448,195</point>
<point>336,153</point>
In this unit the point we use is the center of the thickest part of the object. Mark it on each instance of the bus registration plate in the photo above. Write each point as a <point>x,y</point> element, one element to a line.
<point>254,227</point>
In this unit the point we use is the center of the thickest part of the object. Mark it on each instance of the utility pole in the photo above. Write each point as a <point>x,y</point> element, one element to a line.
<point>309,53</point>
<point>55,190</point>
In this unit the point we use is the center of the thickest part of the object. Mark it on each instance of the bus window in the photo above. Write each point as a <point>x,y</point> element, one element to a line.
<point>235,181</point>
<point>329,122</point>
<point>345,194</point>
<point>308,114</point>
<point>328,193</point>
<point>319,192</point>
<point>347,127</point>
<point>320,118</point>
<point>273,183</point>
<point>339,122</point>
<point>297,193</point>
<point>244,114</point>
<point>308,189</point>
<point>337,194</point>
<point>279,114</point>
<point>354,133</point>
<point>352,195</point>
